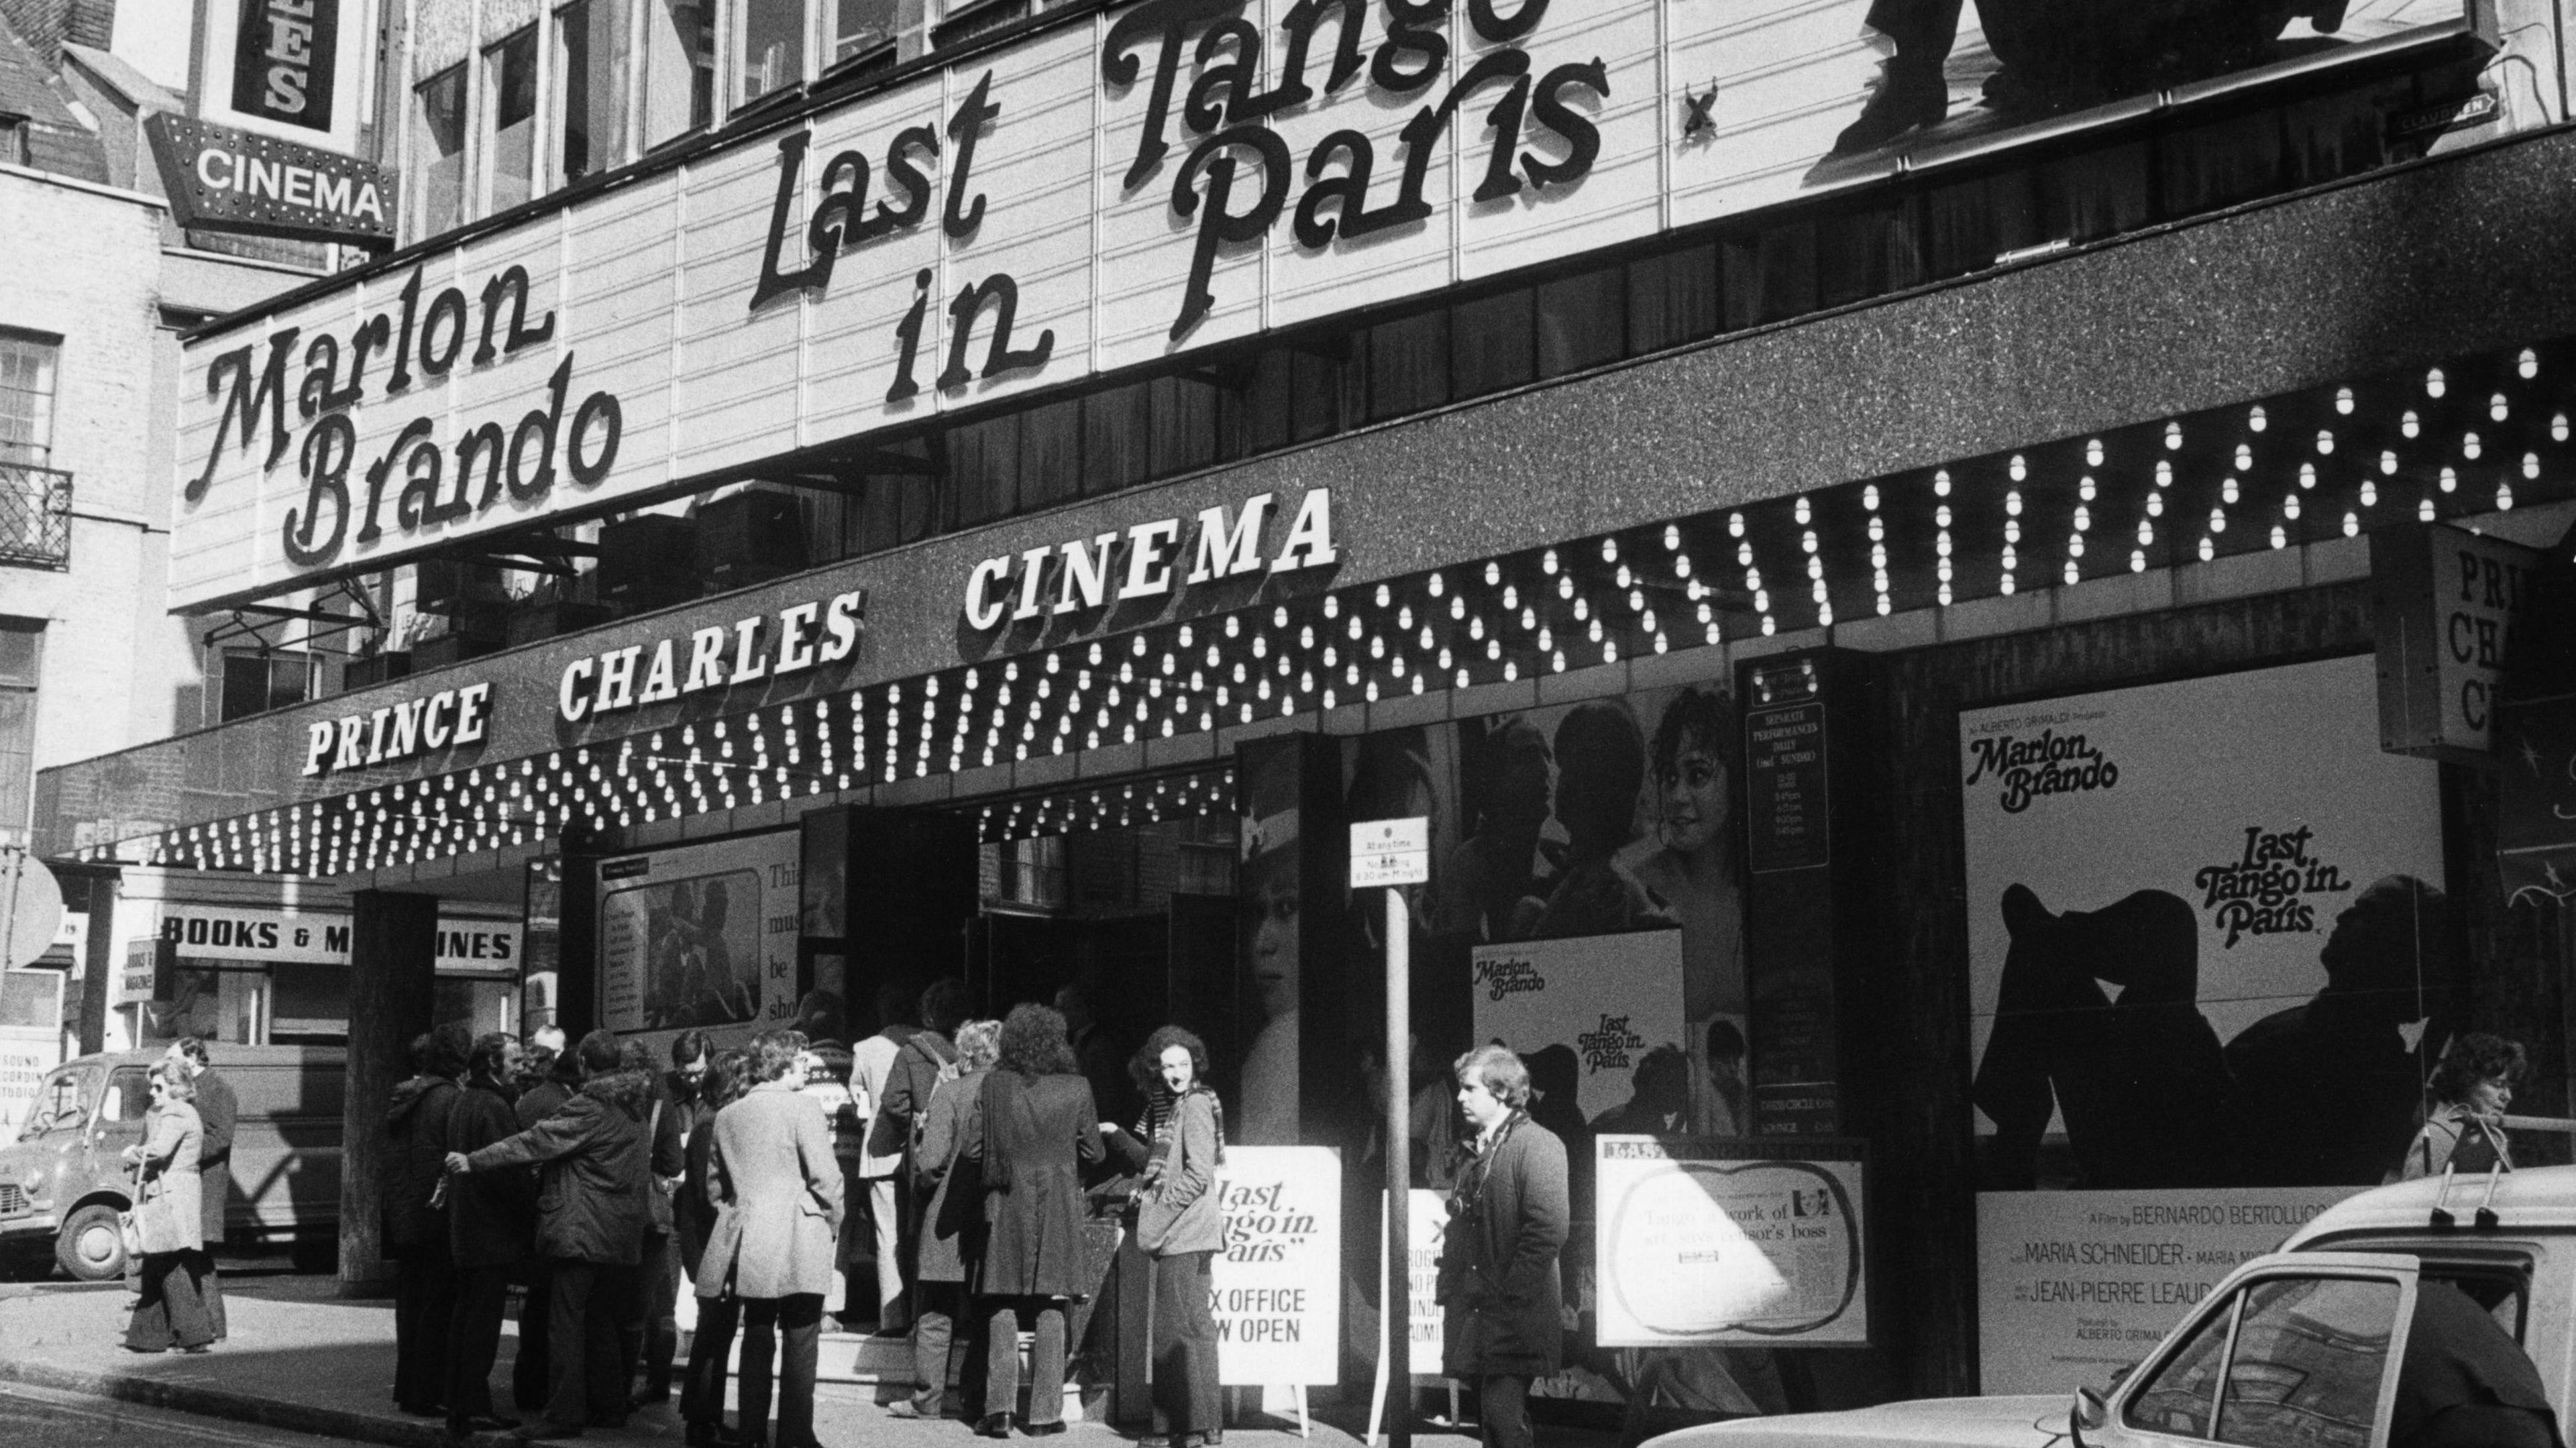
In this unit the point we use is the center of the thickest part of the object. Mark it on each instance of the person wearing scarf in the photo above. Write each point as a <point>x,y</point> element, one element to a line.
<point>1499,1292</point>
<point>1180,1224</point>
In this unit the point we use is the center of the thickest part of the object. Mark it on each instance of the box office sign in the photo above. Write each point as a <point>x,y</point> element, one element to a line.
<point>226,179</point>
<point>2444,603</point>
<point>286,68</point>
<point>1276,1288</point>
<point>1158,179</point>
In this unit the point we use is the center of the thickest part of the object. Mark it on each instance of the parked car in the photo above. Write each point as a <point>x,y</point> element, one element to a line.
<point>2302,1346</point>
<point>63,1180</point>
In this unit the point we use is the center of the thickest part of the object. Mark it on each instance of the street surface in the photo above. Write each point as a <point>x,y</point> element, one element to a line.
<point>44,1418</point>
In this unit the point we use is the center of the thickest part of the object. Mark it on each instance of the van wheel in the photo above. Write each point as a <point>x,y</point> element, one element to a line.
<point>89,1246</point>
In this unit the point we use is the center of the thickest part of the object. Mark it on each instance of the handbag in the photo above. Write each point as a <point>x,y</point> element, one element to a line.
<point>129,1234</point>
<point>155,1230</point>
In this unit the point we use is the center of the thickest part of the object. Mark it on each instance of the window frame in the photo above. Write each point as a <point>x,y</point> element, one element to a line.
<point>48,401</point>
<point>733,30</point>
<point>556,93</point>
<point>415,182</point>
<point>2405,1272</point>
<point>484,97</point>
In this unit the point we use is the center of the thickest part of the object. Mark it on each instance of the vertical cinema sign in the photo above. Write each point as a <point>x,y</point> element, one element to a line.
<point>290,69</point>
<point>2444,602</point>
<point>285,61</point>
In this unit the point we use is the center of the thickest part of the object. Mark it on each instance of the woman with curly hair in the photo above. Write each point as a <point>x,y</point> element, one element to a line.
<point>1180,1225</point>
<point>1039,1128</point>
<point>2464,1124</point>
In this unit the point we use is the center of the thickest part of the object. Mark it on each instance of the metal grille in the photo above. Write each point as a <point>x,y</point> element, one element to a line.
<point>35,516</point>
<point>13,1199</point>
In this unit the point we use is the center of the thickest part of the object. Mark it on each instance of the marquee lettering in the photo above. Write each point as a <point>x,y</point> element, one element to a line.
<point>524,455</point>
<point>798,637</point>
<point>1081,575</point>
<point>1237,178</point>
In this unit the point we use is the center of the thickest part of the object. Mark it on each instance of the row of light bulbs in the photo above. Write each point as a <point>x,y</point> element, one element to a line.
<point>1504,619</point>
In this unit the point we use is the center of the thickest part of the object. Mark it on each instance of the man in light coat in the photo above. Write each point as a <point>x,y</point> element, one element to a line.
<point>872,1064</point>
<point>777,1189</point>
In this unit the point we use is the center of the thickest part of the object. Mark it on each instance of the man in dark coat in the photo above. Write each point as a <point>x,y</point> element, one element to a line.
<point>1499,1291</point>
<point>548,1078</point>
<point>415,1231</point>
<point>490,1218</point>
<point>649,1332</point>
<point>217,1109</point>
<point>591,1217</point>
<point>917,1064</point>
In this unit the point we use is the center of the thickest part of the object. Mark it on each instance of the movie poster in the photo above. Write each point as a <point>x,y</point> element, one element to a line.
<point>1804,96</point>
<point>2209,960</point>
<point>1611,817</point>
<point>700,936</point>
<point>1588,1013</point>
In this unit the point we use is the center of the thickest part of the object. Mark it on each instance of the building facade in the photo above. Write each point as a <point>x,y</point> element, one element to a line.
<point>1891,558</point>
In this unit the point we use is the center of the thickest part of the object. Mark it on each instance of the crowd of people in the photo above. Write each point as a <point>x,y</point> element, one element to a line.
<point>603,1182</point>
<point>953,1159</point>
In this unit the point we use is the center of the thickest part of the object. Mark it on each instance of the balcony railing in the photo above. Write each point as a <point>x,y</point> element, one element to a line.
<point>35,517</point>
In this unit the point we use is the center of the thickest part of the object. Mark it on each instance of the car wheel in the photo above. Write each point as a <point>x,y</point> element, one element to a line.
<point>90,1247</point>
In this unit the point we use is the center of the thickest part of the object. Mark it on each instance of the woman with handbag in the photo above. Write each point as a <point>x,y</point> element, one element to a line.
<point>950,1242</point>
<point>1181,1226</point>
<point>172,1310</point>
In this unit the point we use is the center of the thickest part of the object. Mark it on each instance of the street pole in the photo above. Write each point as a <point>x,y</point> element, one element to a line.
<point>9,929</point>
<point>1398,1296</point>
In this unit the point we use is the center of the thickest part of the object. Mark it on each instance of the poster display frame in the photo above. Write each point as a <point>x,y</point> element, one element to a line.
<point>761,853</point>
<point>2153,869</point>
<point>1840,1176</point>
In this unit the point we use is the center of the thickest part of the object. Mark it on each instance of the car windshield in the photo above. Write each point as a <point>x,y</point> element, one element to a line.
<point>57,1106</point>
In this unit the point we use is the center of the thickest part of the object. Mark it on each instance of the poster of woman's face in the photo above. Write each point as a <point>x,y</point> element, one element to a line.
<point>1607,816</point>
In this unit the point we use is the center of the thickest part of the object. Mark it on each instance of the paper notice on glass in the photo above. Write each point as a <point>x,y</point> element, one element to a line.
<point>1719,1241</point>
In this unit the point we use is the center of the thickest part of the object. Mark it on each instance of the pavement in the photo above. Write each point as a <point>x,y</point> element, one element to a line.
<point>302,1359</point>
<point>51,1418</point>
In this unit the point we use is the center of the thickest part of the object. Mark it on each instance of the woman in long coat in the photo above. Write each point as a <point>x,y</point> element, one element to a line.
<point>951,1240</point>
<point>1500,1297</point>
<point>778,1190</point>
<point>702,1389</point>
<point>169,1208</point>
<point>1038,1129</point>
<point>1181,1226</point>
